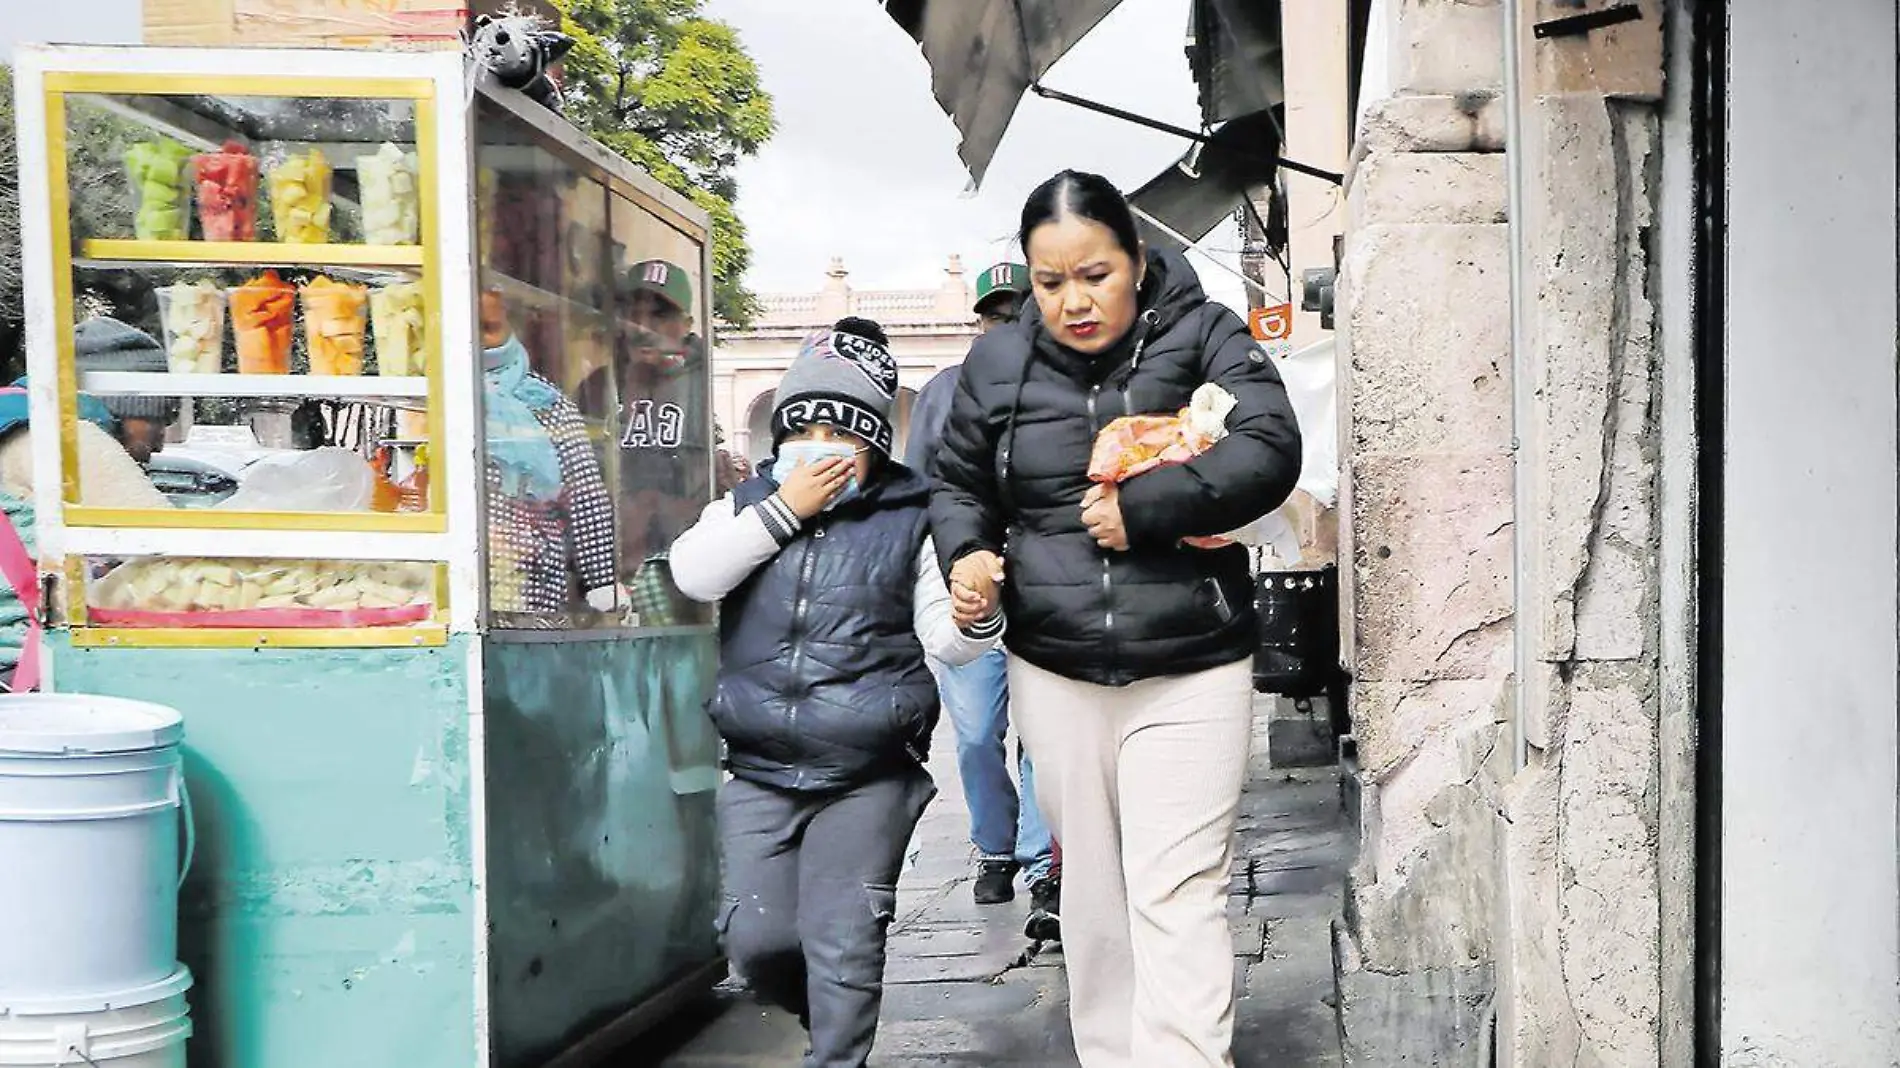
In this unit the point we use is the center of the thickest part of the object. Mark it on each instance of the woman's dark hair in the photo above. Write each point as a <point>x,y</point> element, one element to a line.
<point>863,328</point>
<point>1085,196</point>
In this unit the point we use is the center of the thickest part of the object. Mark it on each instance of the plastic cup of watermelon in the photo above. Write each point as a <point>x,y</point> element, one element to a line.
<point>226,187</point>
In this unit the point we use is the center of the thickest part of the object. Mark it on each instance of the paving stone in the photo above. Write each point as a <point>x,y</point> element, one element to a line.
<point>964,988</point>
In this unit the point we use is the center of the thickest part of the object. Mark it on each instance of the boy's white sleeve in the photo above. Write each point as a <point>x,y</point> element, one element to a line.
<point>727,544</point>
<point>943,640</point>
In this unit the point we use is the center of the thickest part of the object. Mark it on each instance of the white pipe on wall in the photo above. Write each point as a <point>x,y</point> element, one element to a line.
<point>1523,387</point>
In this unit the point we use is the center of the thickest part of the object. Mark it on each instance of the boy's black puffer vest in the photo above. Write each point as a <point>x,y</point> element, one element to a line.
<point>822,680</point>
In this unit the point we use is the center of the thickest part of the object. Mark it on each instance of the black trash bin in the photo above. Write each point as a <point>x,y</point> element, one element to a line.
<point>1298,654</point>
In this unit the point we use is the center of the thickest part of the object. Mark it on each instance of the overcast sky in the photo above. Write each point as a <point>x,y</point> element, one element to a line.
<point>864,165</point>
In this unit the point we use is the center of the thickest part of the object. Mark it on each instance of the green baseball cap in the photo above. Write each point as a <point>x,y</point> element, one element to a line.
<point>1002,279</point>
<point>669,280</point>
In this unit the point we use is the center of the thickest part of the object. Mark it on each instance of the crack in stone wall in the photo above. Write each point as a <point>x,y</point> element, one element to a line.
<point>1583,833</point>
<point>1427,528</point>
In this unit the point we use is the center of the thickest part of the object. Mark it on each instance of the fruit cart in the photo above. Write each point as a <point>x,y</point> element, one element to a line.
<point>451,775</point>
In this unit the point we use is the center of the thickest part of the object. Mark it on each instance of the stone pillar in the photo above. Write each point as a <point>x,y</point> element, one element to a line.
<point>1426,540</point>
<point>1533,894</point>
<point>1582,860</point>
<point>953,294</point>
<point>834,300</point>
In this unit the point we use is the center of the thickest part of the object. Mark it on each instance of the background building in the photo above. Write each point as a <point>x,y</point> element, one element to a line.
<point>930,329</point>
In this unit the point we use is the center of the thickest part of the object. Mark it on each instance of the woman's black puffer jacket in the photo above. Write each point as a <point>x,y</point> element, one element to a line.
<point>1012,468</point>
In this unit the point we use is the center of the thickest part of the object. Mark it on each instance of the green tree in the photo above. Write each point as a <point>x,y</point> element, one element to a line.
<point>676,93</point>
<point>101,205</point>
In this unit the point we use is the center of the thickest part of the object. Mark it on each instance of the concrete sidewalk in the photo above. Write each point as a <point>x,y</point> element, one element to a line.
<point>963,986</point>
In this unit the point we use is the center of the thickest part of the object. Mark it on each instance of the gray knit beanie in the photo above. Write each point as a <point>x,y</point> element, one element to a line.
<point>110,345</point>
<point>842,380</point>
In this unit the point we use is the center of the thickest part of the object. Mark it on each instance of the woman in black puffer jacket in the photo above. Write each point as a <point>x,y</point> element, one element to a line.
<point>1131,679</point>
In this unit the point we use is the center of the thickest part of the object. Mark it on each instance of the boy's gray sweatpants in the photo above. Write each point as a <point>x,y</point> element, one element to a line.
<point>811,888</point>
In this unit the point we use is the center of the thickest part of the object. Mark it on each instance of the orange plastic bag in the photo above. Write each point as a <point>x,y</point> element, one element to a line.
<point>1136,444</point>
<point>261,313</point>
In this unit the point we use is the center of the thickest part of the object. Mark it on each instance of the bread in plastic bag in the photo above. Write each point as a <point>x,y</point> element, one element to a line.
<point>1136,444</point>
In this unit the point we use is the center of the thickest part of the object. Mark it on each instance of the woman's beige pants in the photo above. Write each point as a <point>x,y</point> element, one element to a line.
<point>1141,785</point>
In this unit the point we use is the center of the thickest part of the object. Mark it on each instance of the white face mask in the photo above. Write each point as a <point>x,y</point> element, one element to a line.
<point>793,455</point>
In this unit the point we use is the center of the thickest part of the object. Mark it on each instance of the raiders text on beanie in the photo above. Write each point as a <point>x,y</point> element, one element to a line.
<point>842,380</point>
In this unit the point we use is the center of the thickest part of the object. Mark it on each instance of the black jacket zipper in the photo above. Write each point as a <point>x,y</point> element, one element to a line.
<point>1221,606</point>
<point>1145,327</point>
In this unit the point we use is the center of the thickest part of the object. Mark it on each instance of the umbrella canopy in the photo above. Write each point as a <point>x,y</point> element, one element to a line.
<point>983,54</point>
<point>1236,56</point>
<point>1193,196</point>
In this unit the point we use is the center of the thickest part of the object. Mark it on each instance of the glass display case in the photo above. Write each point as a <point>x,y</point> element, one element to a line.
<point>366,402</point>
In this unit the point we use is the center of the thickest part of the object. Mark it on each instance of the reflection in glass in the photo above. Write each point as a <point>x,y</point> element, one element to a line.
<point>604,301</point>
<point>550,523</point>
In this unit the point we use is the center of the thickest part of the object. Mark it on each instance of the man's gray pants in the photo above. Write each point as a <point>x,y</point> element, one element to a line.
<point>811,889</point>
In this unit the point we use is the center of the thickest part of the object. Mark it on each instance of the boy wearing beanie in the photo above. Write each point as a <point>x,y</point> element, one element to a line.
<point>103,344</point>
<point>832,599</point>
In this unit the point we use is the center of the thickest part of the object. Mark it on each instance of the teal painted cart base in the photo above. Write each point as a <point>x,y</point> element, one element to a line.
<point>333,914</point>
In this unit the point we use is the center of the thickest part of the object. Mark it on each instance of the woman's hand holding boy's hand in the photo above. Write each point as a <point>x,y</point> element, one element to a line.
<point>811,487</point>
<point>976,588</point>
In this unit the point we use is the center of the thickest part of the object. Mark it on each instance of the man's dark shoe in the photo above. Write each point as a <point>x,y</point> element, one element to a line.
<point>1045,910</point>
<point>995,882</point>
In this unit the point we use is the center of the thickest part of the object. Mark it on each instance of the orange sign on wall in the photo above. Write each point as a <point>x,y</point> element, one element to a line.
<point>1273,323</point>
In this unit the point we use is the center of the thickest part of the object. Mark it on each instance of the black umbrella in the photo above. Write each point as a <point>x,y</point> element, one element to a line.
<point>984,53</point>
<point>1193,196</point>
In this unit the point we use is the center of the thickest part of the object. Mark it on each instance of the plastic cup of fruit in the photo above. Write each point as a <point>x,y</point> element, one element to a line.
<point>192,315</point>
<point>334,318</point>
<point>397,313</point>
<point>226,186</point>
<point>160,181</point>
<point>261,315</point>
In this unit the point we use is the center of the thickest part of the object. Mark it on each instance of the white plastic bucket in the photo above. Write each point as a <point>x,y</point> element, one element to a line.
<point>90,792</point>
<point>144,1027</point>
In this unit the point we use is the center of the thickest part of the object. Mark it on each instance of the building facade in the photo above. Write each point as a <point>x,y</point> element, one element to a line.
<point>1626,745</point>
<point>930,329</point>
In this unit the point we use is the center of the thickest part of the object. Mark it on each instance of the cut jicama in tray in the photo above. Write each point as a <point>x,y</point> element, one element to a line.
<point>397,313</point>
<point>157,169</point>
<point>185,591</point>
<point>226,184</point>
<point>334,321</point>
<point>392,207</point>
<point>192,314</point>
<point>300,198</point>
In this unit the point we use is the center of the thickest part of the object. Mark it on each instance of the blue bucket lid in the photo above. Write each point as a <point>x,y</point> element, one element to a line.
<point>77,724</point>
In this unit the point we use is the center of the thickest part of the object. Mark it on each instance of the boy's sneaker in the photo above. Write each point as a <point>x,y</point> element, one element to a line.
<point>995,882</point>
<point>1045,910</point>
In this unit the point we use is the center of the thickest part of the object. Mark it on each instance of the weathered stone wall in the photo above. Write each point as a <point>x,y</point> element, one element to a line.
<point>1427,533</point>
<point>1532,893</point>
<point>1582,884</point>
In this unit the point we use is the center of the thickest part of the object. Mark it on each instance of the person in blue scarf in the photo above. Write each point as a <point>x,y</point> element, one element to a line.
<point>550,520</point>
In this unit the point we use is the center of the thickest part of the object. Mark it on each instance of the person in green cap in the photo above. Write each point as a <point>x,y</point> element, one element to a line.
<point>999,295</point>
<point>662,303</point>
<point>1005,825</point>
<point>656,392</point>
